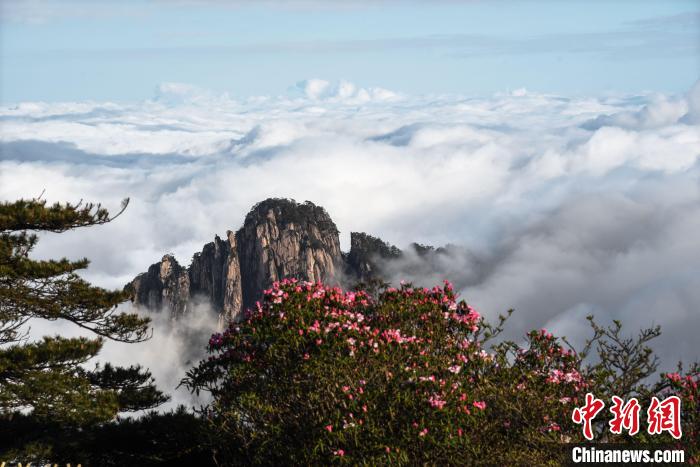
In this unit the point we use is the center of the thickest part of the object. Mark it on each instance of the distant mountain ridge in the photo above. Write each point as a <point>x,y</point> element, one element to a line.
<point>279,239</point>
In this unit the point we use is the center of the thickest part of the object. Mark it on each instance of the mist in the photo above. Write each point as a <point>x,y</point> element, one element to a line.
<point>556,206</point>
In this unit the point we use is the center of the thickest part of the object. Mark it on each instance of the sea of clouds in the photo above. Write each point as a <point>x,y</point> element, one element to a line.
<point>559,206</point>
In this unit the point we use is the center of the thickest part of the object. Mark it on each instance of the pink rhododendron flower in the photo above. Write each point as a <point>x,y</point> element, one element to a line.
<point>674,376</point>
<point>436,402</point>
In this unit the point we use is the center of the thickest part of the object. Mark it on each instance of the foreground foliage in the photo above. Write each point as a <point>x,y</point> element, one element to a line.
<point>319,375</point>
<point>170,438</point>
<point>314,375</point>
<point>48,379</point>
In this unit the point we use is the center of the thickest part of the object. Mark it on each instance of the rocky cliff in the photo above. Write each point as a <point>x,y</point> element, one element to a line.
<point>367,255</point>
<point>279,238</point>
<point>165,285</point>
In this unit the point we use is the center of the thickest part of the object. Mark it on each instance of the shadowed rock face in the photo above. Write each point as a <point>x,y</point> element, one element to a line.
<point>279,239</point>
<point>367,253</point>
<point>165,285</point>
<point>215,275</point>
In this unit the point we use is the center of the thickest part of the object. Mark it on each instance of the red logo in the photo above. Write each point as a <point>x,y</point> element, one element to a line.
<point>587,413</point>
<point>626,416</point>
<point>665,416</point>
<point>661,416</point>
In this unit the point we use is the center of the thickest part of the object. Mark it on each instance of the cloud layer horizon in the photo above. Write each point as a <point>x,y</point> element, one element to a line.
<point>561,207</point>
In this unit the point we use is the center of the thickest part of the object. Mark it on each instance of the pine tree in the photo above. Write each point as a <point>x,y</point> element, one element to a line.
<point>49,378</point>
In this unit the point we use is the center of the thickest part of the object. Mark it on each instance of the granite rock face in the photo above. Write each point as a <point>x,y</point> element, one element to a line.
<point>282,239</point>
<point>165,285</point>
<point>215,276</point>
<point>279,239</point>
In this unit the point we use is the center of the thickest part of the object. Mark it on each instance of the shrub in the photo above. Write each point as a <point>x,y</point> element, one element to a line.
<point>319,375</point>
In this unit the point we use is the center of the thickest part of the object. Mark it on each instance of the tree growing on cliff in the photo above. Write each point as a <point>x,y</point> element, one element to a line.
<point>317,375</point>
<point>49,377</point>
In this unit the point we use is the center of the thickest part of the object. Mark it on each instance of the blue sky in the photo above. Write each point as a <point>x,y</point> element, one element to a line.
<point>120,51</point>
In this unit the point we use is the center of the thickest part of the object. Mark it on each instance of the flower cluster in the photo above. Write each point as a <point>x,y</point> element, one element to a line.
<point>405,376</point>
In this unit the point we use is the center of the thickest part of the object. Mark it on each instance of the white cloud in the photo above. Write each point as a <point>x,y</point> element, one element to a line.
<point>174,348</point>
<point>559,204</point>
<point>343,91</point>
<point>660,111</point>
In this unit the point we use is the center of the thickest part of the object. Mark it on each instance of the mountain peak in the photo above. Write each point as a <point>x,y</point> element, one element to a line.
<point>280,238</point>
